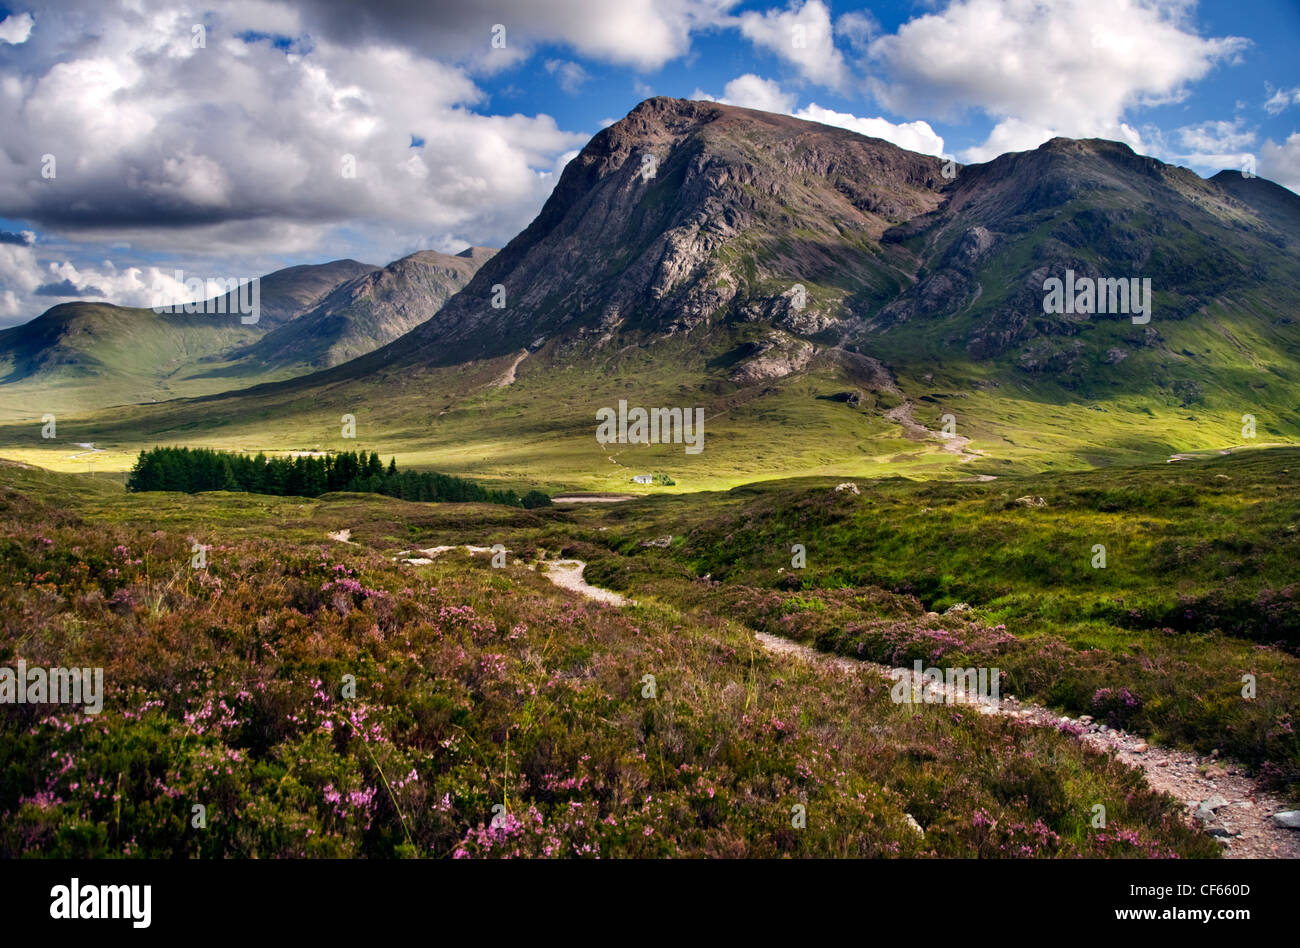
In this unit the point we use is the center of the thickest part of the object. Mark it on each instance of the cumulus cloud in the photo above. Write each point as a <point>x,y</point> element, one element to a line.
<point>16,28</point>
<point>753,92</point>
<point>1042,68</point>
<point>20,273</point>
<point>914,136</point>
<point>858,28</point>
<point>1216,136</point>
<point>168,146</point>
<point>31,286</point>
<point>802,35</point>
<point>1213,145</point>
<point>120,127</point>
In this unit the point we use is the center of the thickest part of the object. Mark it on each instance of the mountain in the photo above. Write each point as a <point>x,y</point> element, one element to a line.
<point>831,302</point>
<point>894,260</point>
<point>78,356</point>
<point>1272,202</point>
<point>687,213</point>
<point>289,293</point>
<point>1098,209</point>
<point>364,313</point>
<point>83,354</point>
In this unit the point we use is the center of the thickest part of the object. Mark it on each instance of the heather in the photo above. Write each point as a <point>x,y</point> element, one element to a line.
<point>479,693</point>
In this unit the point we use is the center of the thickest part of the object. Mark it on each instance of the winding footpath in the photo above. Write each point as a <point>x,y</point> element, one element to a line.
<point>567,574</point>
<point>1229,804</point>
<point>1219,795</point>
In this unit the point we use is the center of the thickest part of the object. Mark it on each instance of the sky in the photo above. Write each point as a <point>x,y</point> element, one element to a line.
<point>139,138</point>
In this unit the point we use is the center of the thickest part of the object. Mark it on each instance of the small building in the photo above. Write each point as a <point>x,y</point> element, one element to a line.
<point>643,479</point>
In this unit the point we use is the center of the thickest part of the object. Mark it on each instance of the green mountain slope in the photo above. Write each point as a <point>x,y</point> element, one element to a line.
<point>77,356</point>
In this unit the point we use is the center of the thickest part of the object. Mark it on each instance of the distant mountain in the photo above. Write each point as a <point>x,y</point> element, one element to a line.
<point>691,217</point>
<point>1100,211</point>
<point>366,312</point>
<point>83,355</point>
<point>289,293</point>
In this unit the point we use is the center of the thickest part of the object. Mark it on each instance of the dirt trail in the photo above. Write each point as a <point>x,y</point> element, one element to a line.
<point>1230,804</point>
<point>508,377</point>
<point>903,415</point>
<point>1217,793</point>
<point>567,574</point>
<point>91,450</point>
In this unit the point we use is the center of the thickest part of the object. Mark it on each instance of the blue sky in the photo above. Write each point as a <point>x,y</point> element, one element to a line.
<point>146,136</point>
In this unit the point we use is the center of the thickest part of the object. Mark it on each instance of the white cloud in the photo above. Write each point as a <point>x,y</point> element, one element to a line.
<point>20,272</point>
<point>753,92</point>
<point>568,74</point>
<point>167,146</point>
<point>1281,99</point>
<point>914,136</point>
<point>858,27</point>
<point>803,36</point>
<point>16,28</point>
<point>1281,163</point>
<point>1042,68</point>
<point>233,153</point>
<point>12,308</point>
<point>644,34</point>
<point>1216,136</point>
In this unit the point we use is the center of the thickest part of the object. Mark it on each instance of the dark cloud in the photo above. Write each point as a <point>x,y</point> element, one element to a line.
<point>462,32</point>
<point>65,288</point>
<point>9,237</point>
<point>452,30</point>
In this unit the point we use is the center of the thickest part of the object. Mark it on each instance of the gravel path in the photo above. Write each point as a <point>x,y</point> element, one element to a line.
<point>567,574</point>
<point>1218,794</point>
